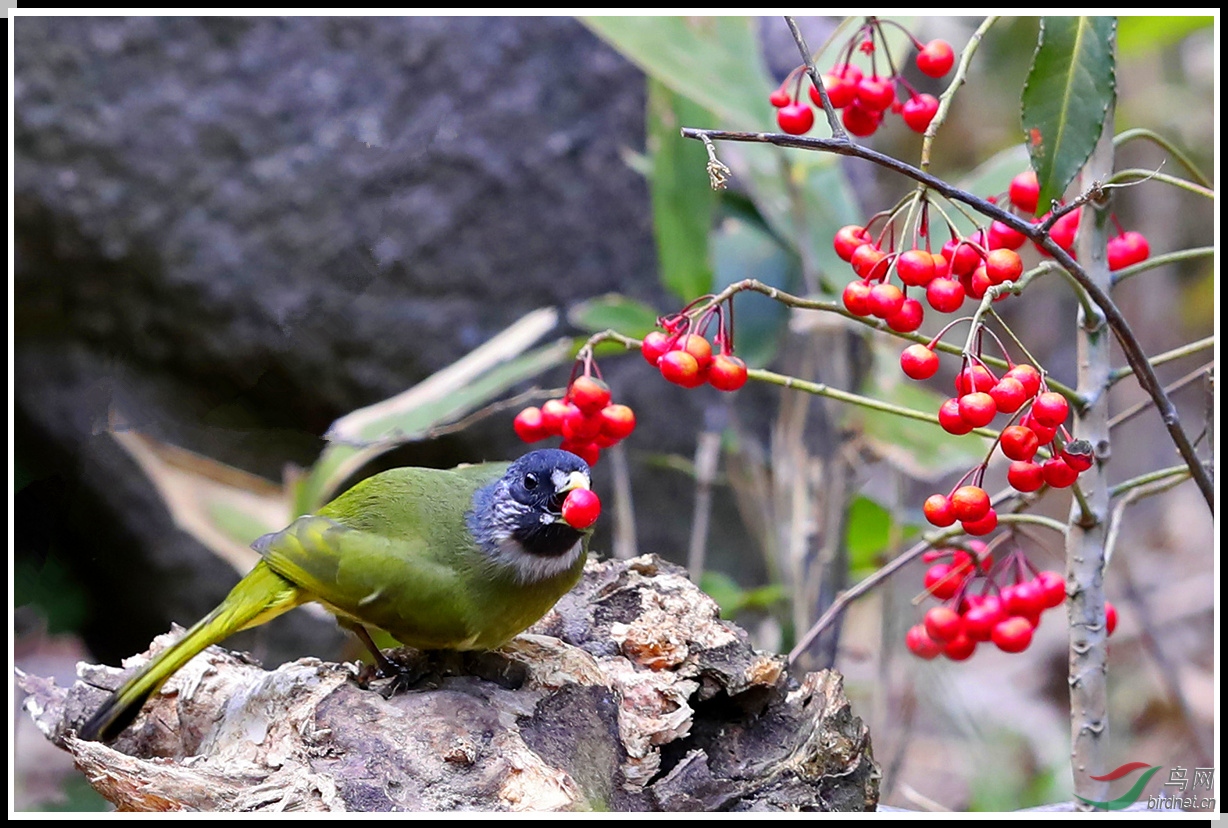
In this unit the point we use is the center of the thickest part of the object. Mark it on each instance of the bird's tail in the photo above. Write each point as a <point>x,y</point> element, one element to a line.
<point>261,596</point>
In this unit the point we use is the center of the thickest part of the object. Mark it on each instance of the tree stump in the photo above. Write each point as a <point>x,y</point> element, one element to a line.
<point>630,695</point>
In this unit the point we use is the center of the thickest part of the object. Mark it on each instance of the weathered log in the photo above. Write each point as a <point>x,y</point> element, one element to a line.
<point>630,695</point>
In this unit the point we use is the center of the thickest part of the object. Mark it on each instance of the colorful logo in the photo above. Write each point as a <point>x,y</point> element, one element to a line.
<point>1129,797</point>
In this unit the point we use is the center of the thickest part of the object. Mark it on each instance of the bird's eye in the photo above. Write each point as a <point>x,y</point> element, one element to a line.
<point>530,481</point>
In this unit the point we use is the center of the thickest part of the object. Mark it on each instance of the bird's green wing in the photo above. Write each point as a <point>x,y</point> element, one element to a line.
<point>394,552</point>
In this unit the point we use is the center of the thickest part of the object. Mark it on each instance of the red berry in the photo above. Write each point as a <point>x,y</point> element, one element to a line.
<point>698,347</point>
<point>908,318</point>
<point>950,420</point>
<point>681,368</point>
<point>553,414</point>
<point>1044,433</point>
<point>856,298</point>
<point>970,503</point>
<point>795,118</point>
<point>1003,236</point>
<point>654,345</point>
<point>860,121</point>
<point>915,267</point>
<point>779,98</point>
<point>920,644</point>
<point>936,58</point>
<point>587,451</point>
<point>983,526</point>
<point>1009,394</point>
<point>617,421</point>
<point>965,257</point>
<point>840,92</point>
<point>1003,266</point>
<point>1057,473</point>
<point>885,299</point>
<point>1052,586</point>
<point>1050,409</point>
<point>1012,635</point>
<point>1064,230</point>
<point>977,409</point>
<point>875,94</point>
<point>1025,476</point>
<point>1019,443</point>
<point>980,619</point>
<point>919,111</point>
<point>1127,249</point>
<point>1028,376</point>
<point>528,425</point>
<point>939,510</point>
<point>589,394</point>
<point>1110,617</point>
<point>1078,455</point>
<point>868,261</point>
<point>945,295</point>
<point>943,623</point>
<point>579,427</point>
<point>848,239</point>
<point>919,362</point>
<point>1025,191</point>
<point>975,377</point>
<point>941,582</point>
<point>581,508</point>
<point>1026,599</point>
<point>959,648</point>
<point>727,372</point>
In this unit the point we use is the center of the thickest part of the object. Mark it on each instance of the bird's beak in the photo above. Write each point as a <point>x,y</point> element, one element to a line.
<point>575,480</point>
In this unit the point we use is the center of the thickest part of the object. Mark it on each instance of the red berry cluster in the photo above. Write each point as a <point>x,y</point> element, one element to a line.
<point>981,396</point>
<point>865,98</point>
<point>1125,249</point>
<point>685,357</point>
<point>1006,615</point>
<point>584,417</point>
<point>965,267</point>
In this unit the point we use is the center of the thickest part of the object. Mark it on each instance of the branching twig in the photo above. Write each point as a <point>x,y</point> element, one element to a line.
<point>1113,316</point>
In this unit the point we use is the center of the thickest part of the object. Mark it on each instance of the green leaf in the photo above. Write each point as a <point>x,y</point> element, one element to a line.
<point>222,507</point>
<point>714,61</point>
<point>1069,90</point>
<point>682,198</point>
<point>1141,36</point>
<point>744,250</point>
<point>870,531</point>
<point>441,399</point>
<point>732,599</point>
<point>613,310</point>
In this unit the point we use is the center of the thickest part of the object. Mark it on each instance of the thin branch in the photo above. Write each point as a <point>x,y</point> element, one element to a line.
<point>1129,177</point>
<point>833,120</point>
<point>1167,146</point>
<point>1113,316</point>
<point>1168,356</point>
<point>1153,262</point>
<point>1176,385</point>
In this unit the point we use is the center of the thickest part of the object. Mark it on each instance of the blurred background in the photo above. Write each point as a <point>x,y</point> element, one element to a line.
<point>230,233</point>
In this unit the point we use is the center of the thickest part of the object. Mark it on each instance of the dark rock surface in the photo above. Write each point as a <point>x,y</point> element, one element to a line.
<point>237,230</point>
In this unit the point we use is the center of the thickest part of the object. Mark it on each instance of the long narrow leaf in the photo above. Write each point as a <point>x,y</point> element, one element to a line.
<point>1069,90</point>
<point>222,507</point>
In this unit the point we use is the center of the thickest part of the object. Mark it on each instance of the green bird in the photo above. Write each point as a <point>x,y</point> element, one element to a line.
<point>462,559</point>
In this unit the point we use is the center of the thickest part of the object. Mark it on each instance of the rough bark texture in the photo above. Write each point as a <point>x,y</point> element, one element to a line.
<point>631,695</point>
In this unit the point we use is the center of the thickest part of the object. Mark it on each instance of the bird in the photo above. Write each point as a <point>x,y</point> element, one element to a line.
<point>456,559</point>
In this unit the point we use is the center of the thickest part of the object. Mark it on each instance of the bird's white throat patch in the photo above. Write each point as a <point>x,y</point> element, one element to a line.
<point>531,568</point>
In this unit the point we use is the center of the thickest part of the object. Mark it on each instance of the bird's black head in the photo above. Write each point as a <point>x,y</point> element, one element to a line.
<point>520,513</point>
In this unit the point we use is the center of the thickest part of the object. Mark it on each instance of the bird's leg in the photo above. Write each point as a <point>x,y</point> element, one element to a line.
<point>402,677</point>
